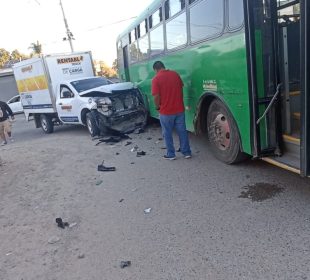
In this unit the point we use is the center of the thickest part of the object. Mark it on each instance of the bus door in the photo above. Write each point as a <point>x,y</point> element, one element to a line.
<point>305,90</point>
<point>263,75</point>
<point>126,64</point>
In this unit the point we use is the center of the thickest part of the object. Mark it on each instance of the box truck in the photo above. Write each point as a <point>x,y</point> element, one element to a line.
<point>62,89</point>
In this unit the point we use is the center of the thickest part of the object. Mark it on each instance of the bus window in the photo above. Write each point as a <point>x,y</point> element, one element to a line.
<point>142,29</point>
<point>156,18</point>
<point>143,48</point>
<point>176,32</point>
<point>235,14</point>
<point>157,40</point>
<point>133,36</point>
<point>172,7</point>
<point>206,19</point>
<point>134,56</point>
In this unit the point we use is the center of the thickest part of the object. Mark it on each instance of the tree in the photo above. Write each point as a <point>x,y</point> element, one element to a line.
<point>17,56</point>
<point>4,57</point>
<point>115,65</point>
<point>36,48</point>
<point>105,70</point>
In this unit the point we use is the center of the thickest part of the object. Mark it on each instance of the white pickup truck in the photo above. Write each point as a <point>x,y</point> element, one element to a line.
<point>62,89</point>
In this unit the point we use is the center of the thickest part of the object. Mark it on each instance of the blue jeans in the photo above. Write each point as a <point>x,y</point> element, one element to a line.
<point>168,123</point>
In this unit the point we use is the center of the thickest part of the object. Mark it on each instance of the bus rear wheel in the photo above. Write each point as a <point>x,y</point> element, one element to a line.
<point>223,134</point>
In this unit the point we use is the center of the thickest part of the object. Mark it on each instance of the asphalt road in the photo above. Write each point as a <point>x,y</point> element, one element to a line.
<point>208,220</point>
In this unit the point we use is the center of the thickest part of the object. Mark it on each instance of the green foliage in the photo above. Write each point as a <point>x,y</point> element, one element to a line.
<point>4,57</point>
<point>36,48</point>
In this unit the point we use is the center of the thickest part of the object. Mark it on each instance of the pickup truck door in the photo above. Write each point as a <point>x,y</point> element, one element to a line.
<point>67,105</point>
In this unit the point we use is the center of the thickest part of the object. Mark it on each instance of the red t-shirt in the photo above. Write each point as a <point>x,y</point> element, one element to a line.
<point>168,85</point>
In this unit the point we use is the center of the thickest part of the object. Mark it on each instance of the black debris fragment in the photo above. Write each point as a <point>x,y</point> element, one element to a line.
<point>61,224</point>
<point>125,264</point>
<point>109,140</point>
<point>121,200</point>
<point>141,153</point>
<point>149,138</point>
<point>128,143</point>
<point>117,153</point>
<point>101,167</point>
<point>160,139</point>
<point>139,130</point>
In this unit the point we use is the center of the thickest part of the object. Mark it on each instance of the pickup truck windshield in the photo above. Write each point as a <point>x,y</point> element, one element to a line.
<point>82,85</point>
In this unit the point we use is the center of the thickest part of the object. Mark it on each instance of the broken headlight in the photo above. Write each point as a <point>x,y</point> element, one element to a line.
<point>104,105</point>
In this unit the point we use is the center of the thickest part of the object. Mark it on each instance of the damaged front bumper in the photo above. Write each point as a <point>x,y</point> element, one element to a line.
<point>123,122</point>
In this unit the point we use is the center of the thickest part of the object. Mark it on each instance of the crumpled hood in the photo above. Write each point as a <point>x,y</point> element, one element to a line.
<point>109,88</point>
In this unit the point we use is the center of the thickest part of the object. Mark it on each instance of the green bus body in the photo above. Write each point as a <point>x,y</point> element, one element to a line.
<point>213,68</point>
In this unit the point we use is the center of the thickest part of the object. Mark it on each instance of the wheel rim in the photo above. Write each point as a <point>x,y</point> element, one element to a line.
<point>89,126</point>
<point>219,132</point>
<point>44,124</point>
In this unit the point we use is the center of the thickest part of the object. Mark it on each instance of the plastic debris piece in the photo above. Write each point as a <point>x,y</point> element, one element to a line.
<point>61,224</point>
<point>72,225</point>
<point>139,130</point>
<point>121,200</point>
<point>117,153</point>
<point>99,182</point>
<point>141,153</point>
<point>125,264</point>
<point>81,256</point>
<point>147,210</point>
<point>134,149</point>
<point>101,167</point>
<point>53,240</point>
<point>9,253</point>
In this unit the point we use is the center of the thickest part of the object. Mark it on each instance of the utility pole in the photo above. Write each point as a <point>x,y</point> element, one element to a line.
<point>69,33</point>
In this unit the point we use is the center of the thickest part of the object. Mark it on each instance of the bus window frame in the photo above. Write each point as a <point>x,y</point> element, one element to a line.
<point>207,38</point>
<point>184,11</point>
<point>229,28</point>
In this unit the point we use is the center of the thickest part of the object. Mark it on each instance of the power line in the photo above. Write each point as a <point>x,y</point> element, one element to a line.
<point>108,24</point>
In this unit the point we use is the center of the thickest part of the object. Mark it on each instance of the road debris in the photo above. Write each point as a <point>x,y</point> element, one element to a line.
<point>72,225</point>
<point>125,264</point>
<point>101,167</point>
<point>99,182</point>
<point>53,240</point>
<point>149,138</point>
<point>61,224</point>
<point>134,149</point>
<point>109,140</point>
<point>139,130</point>
<point>128,143</point>
<point>141,153</point>
<point>121,200</point>
<point>147,210</point>
<point>81,256</point>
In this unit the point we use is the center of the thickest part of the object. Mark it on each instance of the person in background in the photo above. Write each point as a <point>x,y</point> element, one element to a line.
<point>167,91</point>
<point>5,124</point>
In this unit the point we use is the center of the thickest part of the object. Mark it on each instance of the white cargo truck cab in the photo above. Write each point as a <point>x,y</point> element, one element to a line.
<point>62,89</point>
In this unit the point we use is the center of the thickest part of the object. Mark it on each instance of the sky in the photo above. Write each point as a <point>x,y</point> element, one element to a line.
<point>95,25</point>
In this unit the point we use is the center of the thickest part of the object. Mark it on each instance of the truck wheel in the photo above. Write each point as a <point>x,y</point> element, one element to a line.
<point>223,134</point>
<point>46,123</point>
<point>92,125</point>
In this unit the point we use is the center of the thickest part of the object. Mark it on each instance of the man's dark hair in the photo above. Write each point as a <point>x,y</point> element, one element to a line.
<point>158,65</point>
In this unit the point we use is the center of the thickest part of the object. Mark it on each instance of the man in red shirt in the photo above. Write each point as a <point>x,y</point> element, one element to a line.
<point>167,90</point>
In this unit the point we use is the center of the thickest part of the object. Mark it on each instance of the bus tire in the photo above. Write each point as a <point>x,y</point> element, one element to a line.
<point>92,125</point>
<point>46,123</point>
<point>223,134</point>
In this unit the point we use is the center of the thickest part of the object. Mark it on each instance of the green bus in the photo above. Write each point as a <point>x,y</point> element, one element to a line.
<point>245,68</point>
